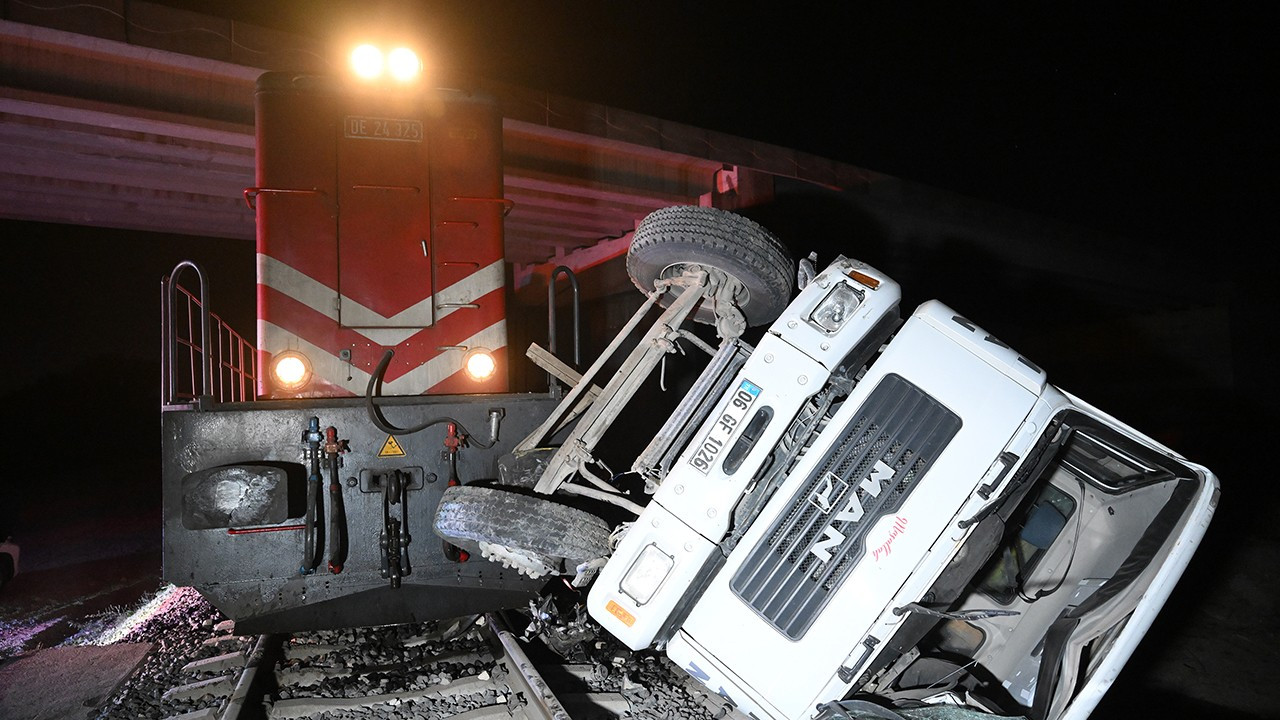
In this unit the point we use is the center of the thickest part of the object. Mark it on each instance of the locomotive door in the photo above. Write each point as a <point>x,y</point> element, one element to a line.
<point>384,225</point>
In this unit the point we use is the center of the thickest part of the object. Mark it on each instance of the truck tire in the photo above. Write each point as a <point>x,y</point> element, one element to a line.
<point>561,536</point>
<point>669,239</point>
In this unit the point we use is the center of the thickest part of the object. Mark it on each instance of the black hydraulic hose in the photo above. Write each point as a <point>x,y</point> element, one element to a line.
<point>311,541</point>
<point>337,519</point>
<point>374,389</point>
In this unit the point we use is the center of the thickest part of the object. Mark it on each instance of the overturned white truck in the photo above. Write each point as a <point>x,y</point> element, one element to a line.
<point>856,515</point>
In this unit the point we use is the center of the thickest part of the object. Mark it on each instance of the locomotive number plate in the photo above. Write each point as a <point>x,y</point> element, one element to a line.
<point>381,128</point>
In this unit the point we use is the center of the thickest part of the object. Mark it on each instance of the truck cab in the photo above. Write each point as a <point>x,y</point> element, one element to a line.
<point>902,514</point>
<point>855,514</point>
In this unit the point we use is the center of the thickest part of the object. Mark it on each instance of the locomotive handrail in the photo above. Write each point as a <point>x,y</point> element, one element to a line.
<point>551,314</point>
<point>251,193</point>
<point>170,347</point>
<point>506,203</point>
<point>227,362</point>
<point>410,188</point>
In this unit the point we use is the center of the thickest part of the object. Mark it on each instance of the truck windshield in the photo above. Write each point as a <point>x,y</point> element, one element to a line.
<point>1107,461</point>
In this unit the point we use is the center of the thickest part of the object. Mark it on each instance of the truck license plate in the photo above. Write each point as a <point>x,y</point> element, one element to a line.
<point>709,447</point>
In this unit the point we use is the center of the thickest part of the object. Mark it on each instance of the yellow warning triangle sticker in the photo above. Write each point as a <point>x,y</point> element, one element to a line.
<point>391,448</point>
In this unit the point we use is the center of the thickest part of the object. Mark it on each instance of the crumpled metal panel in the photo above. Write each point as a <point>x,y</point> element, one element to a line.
<point>235,495</point>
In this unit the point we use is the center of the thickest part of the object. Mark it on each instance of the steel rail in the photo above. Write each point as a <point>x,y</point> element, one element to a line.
<point>236,704</point>
<point>542,702</point>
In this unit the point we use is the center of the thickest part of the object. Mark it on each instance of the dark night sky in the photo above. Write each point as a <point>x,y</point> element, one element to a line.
<point>1144,121</point>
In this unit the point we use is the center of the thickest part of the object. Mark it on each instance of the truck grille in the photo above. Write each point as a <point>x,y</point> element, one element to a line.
<point>812,548</point>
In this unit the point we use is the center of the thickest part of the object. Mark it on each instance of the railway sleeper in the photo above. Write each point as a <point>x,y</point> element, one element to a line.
<point>220,686</point>
<point>299,676</point>
<point>216,664</point>
<point>302,707</point>
<point>209,713</point>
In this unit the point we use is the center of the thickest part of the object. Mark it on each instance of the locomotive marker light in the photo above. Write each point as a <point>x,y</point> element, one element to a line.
<point>480,364</point>
<point>291,370</point>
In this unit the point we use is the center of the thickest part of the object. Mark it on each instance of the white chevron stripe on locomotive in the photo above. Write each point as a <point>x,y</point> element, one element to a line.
<point>425,376</point>
<point>325,300</point>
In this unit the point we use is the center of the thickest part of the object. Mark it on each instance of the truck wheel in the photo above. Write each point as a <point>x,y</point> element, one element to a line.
<point>671,239</point>
<point>532,534</point>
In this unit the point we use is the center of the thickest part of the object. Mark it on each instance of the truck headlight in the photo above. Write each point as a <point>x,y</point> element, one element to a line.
<point>835,309</point>
<point>290,370</point>
<point>646,574</point>
<point>480,364</point>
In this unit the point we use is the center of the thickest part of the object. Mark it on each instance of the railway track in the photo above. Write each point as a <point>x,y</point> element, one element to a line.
<point>471,668</point>
<point>462,669</point>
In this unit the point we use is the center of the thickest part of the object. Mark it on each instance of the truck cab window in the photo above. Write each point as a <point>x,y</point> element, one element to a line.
<point>1037,529</point>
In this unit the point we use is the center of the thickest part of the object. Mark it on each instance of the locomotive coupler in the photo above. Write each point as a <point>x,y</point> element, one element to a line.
<point>394,539</point>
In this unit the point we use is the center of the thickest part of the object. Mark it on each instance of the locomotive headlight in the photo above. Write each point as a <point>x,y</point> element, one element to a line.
<point>835,309</point>
<point>291,370</point>
<point>403,64</point>
<point>366,62</point>
<point>480,364</point>
<point>646,574</point>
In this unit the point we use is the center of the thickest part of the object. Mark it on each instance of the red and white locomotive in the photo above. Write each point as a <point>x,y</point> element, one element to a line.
<point>380,270</point>
<point>379,227</point>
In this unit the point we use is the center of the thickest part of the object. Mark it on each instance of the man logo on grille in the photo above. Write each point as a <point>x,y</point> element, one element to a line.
<point>853,510</point>
<point>824,496</point>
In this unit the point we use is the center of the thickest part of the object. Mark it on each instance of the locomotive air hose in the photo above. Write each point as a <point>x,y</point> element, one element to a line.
<point>374,389</point>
